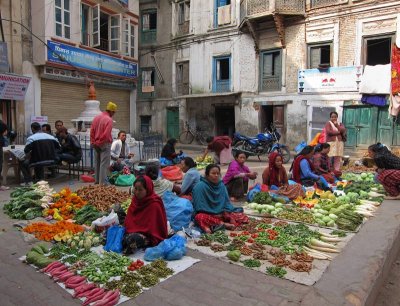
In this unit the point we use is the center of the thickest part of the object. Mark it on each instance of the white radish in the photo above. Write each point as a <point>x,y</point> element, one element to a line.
<point>317,252</point>
<point>325,249</point>
<point>328,235</point>
<point>322,244</point>
<point>317,256</point>
<point>328,239</point>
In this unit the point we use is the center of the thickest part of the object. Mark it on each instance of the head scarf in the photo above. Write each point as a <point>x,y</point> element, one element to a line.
<point>275,174</point>
<point>296,163</point>
<point>147,216</point>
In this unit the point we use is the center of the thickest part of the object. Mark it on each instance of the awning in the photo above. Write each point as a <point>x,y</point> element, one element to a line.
<point>13,86</point>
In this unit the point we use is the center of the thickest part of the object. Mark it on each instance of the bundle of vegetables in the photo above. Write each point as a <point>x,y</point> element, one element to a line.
<point>87,214</point>
<point>202,163</point>
<point>102,197</point>
<point>36,256</point>
<point>348,220</point>
<point>296,214</point>
<point>85,240</point>
<point>262,198</point>
<point>47,232</point>
<point>44,187</point>
<point>125,205</point>
<point>65,205</point>
<point>272,209</point>
<point>25,204</point>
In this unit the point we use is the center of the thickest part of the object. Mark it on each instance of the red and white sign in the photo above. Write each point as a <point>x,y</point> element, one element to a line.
<point>40,119</point>
<point>13,87</point>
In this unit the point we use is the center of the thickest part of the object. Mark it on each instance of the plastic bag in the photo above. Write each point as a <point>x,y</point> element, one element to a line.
<point>322,136</point>
<point>250,195</point>
<point>115,234</point>
<point>179,210</point>
<point>103,223</point>
<point>279,198</point>
<point>173,248</point>
<point>125,180</point>
<point>165,162</point>
<point>172,173</point>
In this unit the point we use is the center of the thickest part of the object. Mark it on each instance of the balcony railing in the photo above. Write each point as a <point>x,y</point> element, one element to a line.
<point>183,28</point>
<point>322,3</point>
<point>148,37</point>
<point>259,8</point>
<point>271,83</point>
<point>222,86</point>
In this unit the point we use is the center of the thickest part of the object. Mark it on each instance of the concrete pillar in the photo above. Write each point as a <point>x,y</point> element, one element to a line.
<point>133,111</point>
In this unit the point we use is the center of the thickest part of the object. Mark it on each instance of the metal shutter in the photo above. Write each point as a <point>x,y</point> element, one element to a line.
<point>65,101</point>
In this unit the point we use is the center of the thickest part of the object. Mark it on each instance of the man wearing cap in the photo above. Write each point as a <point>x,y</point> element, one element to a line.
<point>101,139</point>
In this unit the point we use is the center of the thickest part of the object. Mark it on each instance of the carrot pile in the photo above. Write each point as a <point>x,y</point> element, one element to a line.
<point>65,206</point>
<point>45,231</point>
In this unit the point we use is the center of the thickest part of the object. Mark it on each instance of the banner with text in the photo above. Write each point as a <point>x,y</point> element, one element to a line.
<point>334,79</point>
<point>81,58</point>
<point>13,87</point>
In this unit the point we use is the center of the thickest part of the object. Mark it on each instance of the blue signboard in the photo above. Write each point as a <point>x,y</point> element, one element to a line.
<point>124,2</point>
<point>65,54</point>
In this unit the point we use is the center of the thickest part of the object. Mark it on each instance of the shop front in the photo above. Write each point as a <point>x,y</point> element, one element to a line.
<point>64,90</point>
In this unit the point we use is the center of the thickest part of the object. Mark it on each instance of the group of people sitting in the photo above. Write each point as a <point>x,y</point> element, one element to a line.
<point>43,149</point>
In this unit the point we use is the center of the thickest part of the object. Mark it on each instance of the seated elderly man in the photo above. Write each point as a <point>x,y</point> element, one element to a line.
<point>120,153</point>
<point>71,151</point>
<point>40,150</point>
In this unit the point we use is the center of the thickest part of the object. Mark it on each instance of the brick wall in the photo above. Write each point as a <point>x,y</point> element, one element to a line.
<point>295,55</point>
<point>347,40</point>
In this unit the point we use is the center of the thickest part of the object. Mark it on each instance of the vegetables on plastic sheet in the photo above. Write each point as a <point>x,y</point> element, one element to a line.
<point>47,232</point>
<point>276,271</point>
<point>87,214</point>
<point>25,204</point>
<point>66,204</point>
<point>36,256</point>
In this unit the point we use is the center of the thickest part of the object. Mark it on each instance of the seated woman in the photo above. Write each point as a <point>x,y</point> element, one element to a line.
<point>388,172</point>
<point>303,170</point>
<point>322,163</point>
<point>213,210</point>
<point>191,178</point>
<point>237,177</point>
<point>168,153</point>
<point>146,220</point>
<point>276,178</point>
<point>161,185</point>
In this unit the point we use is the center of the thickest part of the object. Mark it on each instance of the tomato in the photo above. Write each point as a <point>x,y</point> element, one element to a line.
<point>250,240</point>
<point>254,235</point>
<point>233,234</point>
<point>245,233</point>
<point>260,229</point>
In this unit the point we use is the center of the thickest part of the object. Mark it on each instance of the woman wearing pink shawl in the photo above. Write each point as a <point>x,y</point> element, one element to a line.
<point>335,136</point>
<point>237,177</point>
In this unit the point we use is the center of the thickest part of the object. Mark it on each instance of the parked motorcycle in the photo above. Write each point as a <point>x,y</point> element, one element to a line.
<point>263,144</point>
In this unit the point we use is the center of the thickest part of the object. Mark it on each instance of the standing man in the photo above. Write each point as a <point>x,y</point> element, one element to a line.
<point>101,139</point>
<point>120,153</point>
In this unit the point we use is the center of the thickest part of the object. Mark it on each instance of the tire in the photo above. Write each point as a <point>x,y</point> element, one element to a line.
<point>186,137</point>
<point>284,151</point>
<point>201,139</point>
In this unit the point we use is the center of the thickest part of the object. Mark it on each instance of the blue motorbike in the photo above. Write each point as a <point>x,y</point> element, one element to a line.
<point>263,144</point>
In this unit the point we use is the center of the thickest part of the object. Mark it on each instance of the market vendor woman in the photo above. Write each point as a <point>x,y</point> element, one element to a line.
<point>276,178</point>
<point>237,177</point>
<point>168,152</point>
<point>146,220</point>
<point>388,172</point>
<point>211,204</point>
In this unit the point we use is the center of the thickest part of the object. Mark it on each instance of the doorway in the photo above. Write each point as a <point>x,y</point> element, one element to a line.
<point>361,125</point>
<point>273,114</point>
<point>173,122</point>
<point>225,121</point>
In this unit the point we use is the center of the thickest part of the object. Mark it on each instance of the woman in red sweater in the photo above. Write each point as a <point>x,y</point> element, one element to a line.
<point>335,136</point>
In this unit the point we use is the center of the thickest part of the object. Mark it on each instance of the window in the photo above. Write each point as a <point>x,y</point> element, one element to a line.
<point>222,12</point>
<point>271,71</point>
<point>183,17</point>
<point>182,78</point>
<point>181,13</point>
<point>319,55</point>
<point>149,27</point>
<point>111,33</point>
<point>85,24</point>
<point>62,18</point>
<point>132,41</point>
<point>145,124</point>
<point>377,50</point>
<point>222,74</point>
<point>148,80</point>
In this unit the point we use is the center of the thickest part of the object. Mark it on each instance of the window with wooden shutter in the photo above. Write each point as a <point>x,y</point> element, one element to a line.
<point>319,55</point>
<point>271,71</point>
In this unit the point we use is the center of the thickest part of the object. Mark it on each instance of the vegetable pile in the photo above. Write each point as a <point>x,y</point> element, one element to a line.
<point>87,214</point>
<point>47,232</point>
<point>65,205</point>
<point>102,197</point>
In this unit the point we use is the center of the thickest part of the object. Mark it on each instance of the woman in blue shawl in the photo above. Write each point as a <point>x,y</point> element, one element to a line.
<point>213,210</point>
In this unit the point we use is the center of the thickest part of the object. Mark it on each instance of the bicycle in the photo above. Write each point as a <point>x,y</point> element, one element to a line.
<point>188,135</point>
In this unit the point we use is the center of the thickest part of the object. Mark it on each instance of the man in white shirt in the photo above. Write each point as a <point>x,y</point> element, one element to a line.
<point>120,153</point>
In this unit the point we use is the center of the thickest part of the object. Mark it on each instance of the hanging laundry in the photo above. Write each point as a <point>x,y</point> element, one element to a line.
<point>378,100</point>
<point>394,106</point>
<point>376,80</point>
<point>395,70</point>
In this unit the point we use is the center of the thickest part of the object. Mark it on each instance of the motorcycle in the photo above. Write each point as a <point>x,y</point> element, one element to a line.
<point>263,144</point>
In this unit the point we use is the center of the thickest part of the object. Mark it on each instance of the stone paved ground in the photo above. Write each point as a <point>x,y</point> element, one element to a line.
<point>209,282</point>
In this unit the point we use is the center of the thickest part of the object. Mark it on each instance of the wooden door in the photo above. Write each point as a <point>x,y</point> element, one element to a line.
<point>366,126</point>
<point>385,127</point>
<point>350,122</point>
<point>173,122</point>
